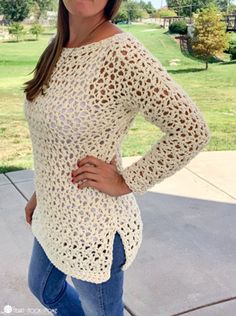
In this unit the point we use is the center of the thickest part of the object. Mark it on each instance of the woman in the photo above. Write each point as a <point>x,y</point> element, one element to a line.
<point>88,86</point>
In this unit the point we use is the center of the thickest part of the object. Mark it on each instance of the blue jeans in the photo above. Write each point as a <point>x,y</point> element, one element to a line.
<point>49,286</point>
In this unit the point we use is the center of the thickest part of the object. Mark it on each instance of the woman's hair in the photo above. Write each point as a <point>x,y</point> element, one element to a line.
<point>49,57</point>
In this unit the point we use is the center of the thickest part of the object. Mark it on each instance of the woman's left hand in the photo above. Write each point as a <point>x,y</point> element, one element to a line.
<point>100,175</point>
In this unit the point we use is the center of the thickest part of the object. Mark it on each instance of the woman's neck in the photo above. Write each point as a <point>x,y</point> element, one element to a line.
<point>82,29</point>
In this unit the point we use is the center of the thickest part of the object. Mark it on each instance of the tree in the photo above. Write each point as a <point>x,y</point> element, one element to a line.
<point>54,5</point>
<point>122,15</point>
<point>44,5</point>
<point>36,29</point>
<point>187,7</point>
<point>165,12</point>
<point>131,10</point>
<point>15,10</point>
<point>1,8</point>
<point>40,7</point>
<point>210,37</point>
<point>224,4</point>
<point>142,4</point>
<point>17,29</point>
<point>232,9</point>
<point>175,5</point>
<point>35,10</point>
<point>149,8</point>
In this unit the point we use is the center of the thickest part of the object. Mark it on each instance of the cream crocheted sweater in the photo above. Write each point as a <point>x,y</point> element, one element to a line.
<point>93,96</point>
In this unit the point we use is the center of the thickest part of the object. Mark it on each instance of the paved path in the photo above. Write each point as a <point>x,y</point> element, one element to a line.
<point>186,264</point>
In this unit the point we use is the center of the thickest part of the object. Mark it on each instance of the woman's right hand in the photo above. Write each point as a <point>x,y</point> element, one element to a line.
<point>30,207</point>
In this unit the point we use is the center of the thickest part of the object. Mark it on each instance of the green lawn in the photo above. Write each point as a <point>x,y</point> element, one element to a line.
<point>233,36</point>
<point>213,91</point>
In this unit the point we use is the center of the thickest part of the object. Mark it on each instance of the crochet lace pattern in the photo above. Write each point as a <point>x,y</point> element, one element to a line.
<point>92,98</point>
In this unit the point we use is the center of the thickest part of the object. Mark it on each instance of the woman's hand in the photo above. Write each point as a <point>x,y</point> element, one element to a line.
<point>30,207</point>
<point>96,173</point>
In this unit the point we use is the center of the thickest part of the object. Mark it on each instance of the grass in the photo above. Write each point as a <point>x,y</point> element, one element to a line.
<point>213,91</point>
<point>233,36</point>
<point>17,60</point>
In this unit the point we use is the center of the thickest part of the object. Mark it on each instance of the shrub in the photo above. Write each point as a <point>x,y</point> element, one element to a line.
<point>178,27</point>
<point>231,44</point>
<point>16,29</point>
<point>36,30</point>
<point>231,49</point>
<point>232,52</point>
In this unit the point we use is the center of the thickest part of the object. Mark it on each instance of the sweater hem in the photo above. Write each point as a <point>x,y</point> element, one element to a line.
<point>84,277</point>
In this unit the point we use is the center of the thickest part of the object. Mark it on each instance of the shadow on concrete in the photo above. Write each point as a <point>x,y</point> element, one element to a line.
<point>185,264</point>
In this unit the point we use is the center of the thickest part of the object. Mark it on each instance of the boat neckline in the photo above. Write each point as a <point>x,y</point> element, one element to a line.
<point>96,42</point>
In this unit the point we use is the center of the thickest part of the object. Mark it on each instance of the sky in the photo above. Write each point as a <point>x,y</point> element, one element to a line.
<point>157,3</point>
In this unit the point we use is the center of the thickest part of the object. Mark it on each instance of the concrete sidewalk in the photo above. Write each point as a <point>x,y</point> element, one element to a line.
<point>186,264</point>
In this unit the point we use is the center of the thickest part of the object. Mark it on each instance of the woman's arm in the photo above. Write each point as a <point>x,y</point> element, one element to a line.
<point>30,207</point>
<point>161,101</point>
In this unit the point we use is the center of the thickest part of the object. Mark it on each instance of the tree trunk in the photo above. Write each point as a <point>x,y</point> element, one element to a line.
<point>206,64</point>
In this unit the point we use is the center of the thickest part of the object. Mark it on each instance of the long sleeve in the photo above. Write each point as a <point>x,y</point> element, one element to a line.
<point>161,101</point>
